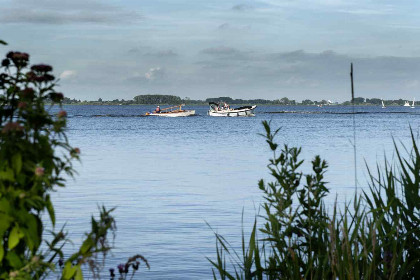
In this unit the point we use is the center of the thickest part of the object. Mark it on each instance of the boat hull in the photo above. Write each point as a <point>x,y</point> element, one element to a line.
<point>247,112</point>
<point>185,113</point>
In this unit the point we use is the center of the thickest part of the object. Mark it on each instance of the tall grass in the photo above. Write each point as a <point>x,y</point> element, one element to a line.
<point>375,236</point>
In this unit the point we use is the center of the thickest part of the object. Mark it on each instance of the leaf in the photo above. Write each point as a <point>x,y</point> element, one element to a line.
<point>3,42</point>
<point>68,271</point>
<point>14,237</point>
<point>14,260</point>
<point>4,206</point>
<point>1,251</point>
<point>87,245</point>
<point>5,223</point>
<point>79,274</point>
<point>7,175</point>
<point>50,209</point>
<point>17,163</point>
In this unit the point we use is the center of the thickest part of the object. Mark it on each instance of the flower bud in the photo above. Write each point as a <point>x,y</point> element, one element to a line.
<point>12,127</point>
<point>39,171</point>
<point>62,114</point>
<point>5,62</point>
<point>22,105</point>
<point>121,268</point>
<point>75,152</point>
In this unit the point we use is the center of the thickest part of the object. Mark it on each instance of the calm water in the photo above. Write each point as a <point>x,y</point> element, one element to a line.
<point>169,176</point>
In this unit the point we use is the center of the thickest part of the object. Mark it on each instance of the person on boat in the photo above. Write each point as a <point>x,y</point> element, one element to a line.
<point>157,109</point>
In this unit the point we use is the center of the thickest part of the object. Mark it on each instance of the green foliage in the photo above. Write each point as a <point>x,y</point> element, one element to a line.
<point>35,155</point>
<point>375,237</point>
<point>157,99</point>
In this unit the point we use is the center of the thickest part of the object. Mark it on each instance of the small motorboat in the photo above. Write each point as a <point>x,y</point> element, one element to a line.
<point>174,111</point>
<point>225,111</point>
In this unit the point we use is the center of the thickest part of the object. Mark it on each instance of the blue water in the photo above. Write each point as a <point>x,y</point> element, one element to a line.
<point>169,176</point>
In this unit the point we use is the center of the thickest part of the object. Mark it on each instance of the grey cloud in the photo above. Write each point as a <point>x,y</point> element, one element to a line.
<point>234,28</point>
<point>224,26</point>
<point>220,51</point>
<point>64,12</point>
<point>161,54</point>
<point>325,72</point>
<point>224,53</point>
<point>241,7</point>
<point>148,52</point>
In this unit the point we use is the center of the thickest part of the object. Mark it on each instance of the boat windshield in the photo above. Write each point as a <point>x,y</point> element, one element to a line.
<point>214,106</point>
<point>219,106</point>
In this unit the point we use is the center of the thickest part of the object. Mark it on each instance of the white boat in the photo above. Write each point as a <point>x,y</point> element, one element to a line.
<point>406,104</point>
<point>383,105</point>
<point>174,111</point>
<point>412,105</point>
<point>225,111</point>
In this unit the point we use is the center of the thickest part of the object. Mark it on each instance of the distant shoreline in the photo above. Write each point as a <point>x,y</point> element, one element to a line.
<point>158,99</point>
<point>268,105</point>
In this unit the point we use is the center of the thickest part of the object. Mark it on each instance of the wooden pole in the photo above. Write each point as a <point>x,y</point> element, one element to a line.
<point>352,85</point>
<point>354,128</point>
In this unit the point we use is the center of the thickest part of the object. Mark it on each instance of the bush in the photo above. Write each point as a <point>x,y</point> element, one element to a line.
<point>35,155</point>
<point>375,237</point>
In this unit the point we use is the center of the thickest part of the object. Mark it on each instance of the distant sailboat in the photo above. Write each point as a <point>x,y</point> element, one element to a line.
<point>412,105</point>
<point>407,104</point>
<point>383,105</point>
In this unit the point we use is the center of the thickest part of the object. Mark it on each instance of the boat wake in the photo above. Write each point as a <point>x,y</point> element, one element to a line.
<point>338,113</point>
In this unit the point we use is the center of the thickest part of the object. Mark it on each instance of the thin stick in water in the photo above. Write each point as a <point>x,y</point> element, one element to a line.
<point>354,127</point>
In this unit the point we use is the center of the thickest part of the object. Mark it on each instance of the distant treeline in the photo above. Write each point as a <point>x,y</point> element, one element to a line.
<point>159,99</point>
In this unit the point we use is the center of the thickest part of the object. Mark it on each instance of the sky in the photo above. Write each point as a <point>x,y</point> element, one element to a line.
<point>300,49</point>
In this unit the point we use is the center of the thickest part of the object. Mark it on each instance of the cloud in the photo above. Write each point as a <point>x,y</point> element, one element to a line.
<point>68,75</point>
<point>324,74</point>
<point>64,12</point>
<point>241,7</point>
<point>226,52</point>
<point>224,26</point>
<point>153,74</point>
<point>162,54</point>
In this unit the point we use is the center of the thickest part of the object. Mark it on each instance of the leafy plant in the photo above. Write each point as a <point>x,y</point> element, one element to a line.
<point>374,237</point>
<point>35,155</point>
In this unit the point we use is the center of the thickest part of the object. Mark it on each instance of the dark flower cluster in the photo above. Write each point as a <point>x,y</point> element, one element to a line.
<point>41,68</point>
<point>124,268</point>
<point>56,97</point>
<point>19,59</point>
<point>12,127</point>
<point>27,94</point>
<point>39,76</point>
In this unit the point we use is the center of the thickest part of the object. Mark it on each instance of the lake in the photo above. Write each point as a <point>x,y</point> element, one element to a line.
<point>168,177</point>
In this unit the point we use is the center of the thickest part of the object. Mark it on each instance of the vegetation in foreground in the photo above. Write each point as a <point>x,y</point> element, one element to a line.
<point>376,236</point>
<point>34,156</point>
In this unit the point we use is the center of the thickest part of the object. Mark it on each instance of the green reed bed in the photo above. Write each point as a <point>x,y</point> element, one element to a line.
<point>376,236</point>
